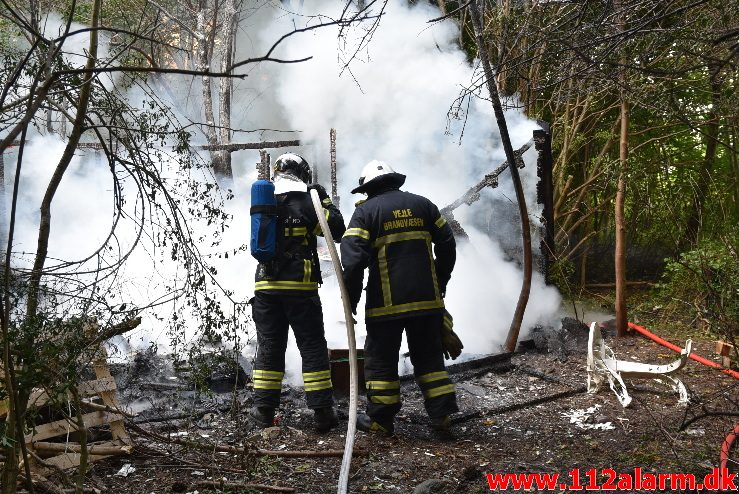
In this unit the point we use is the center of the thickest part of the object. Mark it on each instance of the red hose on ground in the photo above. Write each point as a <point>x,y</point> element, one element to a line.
<point>676,348</point>
<point>726,447</point>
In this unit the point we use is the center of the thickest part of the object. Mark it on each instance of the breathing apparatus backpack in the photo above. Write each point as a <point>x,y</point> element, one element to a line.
<point>263,213</point>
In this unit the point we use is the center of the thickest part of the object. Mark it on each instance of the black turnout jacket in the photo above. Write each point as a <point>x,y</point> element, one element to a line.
<point>296,268</point>
<point>392,233</point>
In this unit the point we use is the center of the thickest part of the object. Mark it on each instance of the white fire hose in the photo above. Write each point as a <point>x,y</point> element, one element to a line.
<point>351,429</point>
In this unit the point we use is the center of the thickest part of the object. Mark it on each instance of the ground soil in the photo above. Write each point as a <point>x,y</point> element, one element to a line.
<point>496,431</point>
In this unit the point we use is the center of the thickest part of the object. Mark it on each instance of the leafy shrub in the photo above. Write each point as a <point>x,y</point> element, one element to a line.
<point>561,274</point>
<point>707,279</point>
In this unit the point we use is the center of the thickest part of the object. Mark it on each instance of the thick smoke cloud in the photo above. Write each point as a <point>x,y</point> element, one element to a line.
<point>390,104</point>
<point>393,106</point>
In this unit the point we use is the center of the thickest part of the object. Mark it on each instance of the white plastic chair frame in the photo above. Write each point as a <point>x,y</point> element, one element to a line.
<point>602,364</point>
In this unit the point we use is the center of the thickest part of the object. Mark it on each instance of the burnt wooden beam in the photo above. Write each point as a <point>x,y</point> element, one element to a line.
<point>489,180</point>
<point>249,145</point>
<point>215,147</point>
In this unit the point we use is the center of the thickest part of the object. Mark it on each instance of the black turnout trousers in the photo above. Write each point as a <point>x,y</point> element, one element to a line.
<point>273,314</point>
<point>381,349</point>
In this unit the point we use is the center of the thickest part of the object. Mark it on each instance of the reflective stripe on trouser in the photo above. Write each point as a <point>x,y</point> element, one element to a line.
<point>435,384</point>
<point>267,379</point>
<point>381,392</point>
<point>316,383</point>
<point>273,315</point>
<point>381,349</point>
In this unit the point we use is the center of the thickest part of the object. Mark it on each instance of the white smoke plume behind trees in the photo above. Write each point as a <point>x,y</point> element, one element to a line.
<point>391,104</point>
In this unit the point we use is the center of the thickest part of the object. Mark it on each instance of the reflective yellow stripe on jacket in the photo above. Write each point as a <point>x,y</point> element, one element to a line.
<point>398,309</point>
<point>307,268</point>
<point>299,231</point>
<point>389,309</point>
<point>401,237</point>
<point>357,232</point>
<point>317,230</point>
<point>387,296</point>
<point>286,285</point>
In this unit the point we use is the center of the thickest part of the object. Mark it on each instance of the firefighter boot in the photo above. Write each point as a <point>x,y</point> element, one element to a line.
<point>263,417</point>
<point>441,424</point>
<point>325,419</point>
<point>368,424</point>
<point>442,427</point>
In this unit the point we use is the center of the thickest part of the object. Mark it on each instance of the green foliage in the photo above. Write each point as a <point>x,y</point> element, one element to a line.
<point>707,279</point>
<point>566,65</point>
<point>82,12</point>
<point>5,440</point>
<point>561,274</point>
<point>163,202</point>
<point>8,32</point>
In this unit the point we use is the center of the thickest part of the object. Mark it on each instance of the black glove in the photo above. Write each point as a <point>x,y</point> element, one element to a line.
<point>322,194</point>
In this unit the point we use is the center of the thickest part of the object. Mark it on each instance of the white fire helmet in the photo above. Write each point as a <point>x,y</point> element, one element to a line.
<point>374,169</point>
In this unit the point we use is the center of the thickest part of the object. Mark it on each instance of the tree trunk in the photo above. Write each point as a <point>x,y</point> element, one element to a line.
<point>501,75</point>
<point>205,43</point>
<point>701,190</point>
<point>523,297</point>
<point>34,282</point>
<point>622,319</point>
<point>13,133</point>
<point>230,20</point>
<point>49,63</point>
<point>78,128</point>
<point>620,254</point>
<point>13,429</point>
<point>731,139</point>
<point>3,209</point>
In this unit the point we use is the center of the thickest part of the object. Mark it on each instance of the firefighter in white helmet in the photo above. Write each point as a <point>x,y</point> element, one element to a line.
<point>393,233</point>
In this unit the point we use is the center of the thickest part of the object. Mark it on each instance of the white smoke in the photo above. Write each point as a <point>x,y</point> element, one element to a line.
<point>393,107</point>
<point>390,105</point>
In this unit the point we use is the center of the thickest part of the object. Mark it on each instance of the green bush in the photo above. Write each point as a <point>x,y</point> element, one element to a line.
<point>707,280</point>
<point>561,274</point>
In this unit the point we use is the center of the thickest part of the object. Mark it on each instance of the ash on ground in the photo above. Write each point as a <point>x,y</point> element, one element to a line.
<point>570,338</point>
<point>516,416</point>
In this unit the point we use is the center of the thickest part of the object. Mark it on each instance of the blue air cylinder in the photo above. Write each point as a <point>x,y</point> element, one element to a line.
<point>263,221</point>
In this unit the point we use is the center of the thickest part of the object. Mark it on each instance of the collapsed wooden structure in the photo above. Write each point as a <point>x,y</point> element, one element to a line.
<point>54,445</point>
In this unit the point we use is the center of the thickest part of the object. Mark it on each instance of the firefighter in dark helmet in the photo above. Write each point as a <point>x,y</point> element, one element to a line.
<point>286,294</point>
<point>393,233</point>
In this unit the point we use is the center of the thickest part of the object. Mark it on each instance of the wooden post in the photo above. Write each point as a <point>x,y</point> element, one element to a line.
<point>109,398</point>
<point>263,165</point>
<point>726,351</point>
<point>334,186</point>
<point>248,145</point>
<point>545,196</point>
<point>314,171</point>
